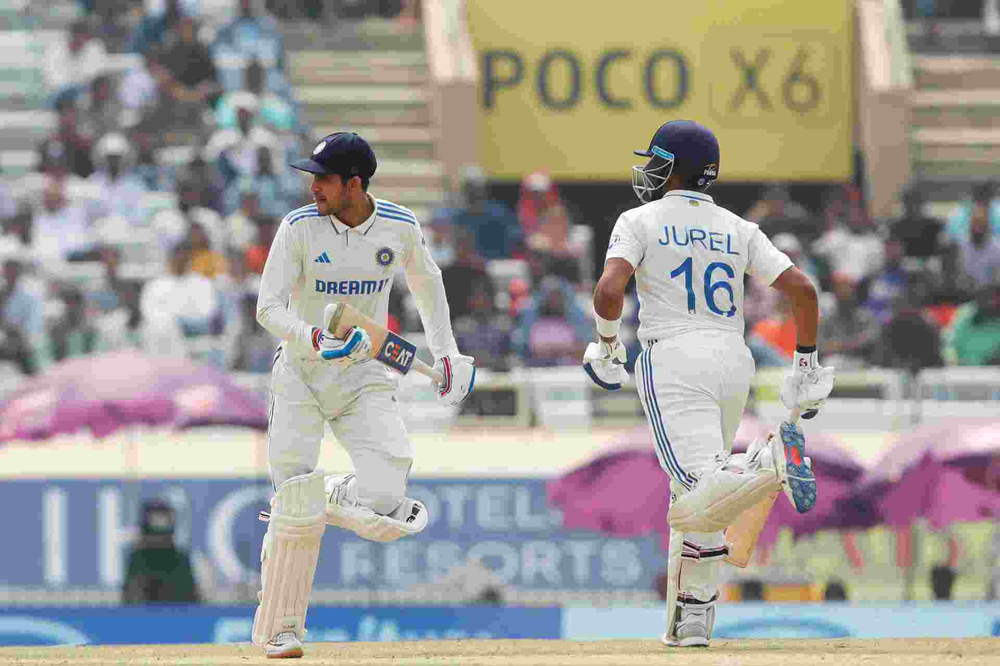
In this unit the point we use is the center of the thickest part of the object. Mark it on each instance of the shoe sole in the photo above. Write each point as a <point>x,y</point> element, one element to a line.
<point>695,641</point>
<point>800,483</point>
<point>292,653</point>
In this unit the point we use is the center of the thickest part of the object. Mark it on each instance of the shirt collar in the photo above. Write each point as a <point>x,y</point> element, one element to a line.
<point>363,228</point>
<point>689,194</point>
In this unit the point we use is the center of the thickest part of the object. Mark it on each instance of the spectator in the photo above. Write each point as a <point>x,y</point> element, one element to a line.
<point>204,260</point>
<point>178,304</point>
<point>538,192</point>
<point>71,64</point>
<point>920,233</point>
<point>553,328</point>
<point>256,254</point>
<point>566,257</point>
<point>973,337</point>
<point>123,327</point>
<point>67,145</point>
<point>107,295</point>
<point>202,183</point>
<point>497,232</point>
<point>240,227</point>
<point>121,191</point>
<point>854,249</point>
<point>237,150</point>
<point>8,202</point>
<point>983,194</point>
<point>100,108</point>
<point>253,35</point>
<point>192,82</point>
<point>60,228</point>
<point>978,253</point>
<point>843,333</point>
<point>147,166</point>
<point>252,347</point>
<point>910,339</point>
<point>139,87</point>
<point>22,329</point>
<point>73,333</point>
<point>157,571</point>
<point>483,331</point>
<point>835,590</point>
<point>887,286</point>
<point>273,111</point>
<point>466,274</point>
<point>154,28</point>
<point>191,196</point>
<point>268,186</point>
<point>777,212</point>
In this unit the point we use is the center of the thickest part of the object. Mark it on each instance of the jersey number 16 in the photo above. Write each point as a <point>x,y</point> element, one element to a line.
<point>686,270</point>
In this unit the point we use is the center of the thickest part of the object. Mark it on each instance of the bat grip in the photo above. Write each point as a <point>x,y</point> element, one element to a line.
<point>793,416</point>
<point>427,371</point>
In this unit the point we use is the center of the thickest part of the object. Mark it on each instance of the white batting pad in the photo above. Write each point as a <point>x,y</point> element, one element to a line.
<point>343,510</point>
<point>289,556</point>
<point>722,495</point>
<point>674,553</point>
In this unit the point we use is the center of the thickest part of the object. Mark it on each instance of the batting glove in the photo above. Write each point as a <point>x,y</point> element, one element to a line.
<point>605,364</point>
<point>459,378</point>
<point>356,346</point>
<point>807,386</point>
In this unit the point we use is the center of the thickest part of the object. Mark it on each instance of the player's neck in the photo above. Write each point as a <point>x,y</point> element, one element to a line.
<point>358,212</point>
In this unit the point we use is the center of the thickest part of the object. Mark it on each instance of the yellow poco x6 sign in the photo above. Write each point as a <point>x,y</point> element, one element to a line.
<point>572,86</point>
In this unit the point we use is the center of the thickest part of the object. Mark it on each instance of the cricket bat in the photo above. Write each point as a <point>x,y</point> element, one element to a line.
<point>742,535</point>
<point>387,347</point>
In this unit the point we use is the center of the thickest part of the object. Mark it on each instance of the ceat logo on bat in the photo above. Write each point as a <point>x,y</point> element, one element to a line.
<point>397,353</point>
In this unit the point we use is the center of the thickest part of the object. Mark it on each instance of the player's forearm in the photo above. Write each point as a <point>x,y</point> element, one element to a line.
<point>435,315</point>
<point>805,312</point>
<point>279,322</point>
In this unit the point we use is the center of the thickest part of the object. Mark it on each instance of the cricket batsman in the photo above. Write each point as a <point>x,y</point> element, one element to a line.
<point>347,246</point>
<point>689,257</point>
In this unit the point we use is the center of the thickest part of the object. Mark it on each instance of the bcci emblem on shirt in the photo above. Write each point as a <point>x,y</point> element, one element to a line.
<point>385,257</point>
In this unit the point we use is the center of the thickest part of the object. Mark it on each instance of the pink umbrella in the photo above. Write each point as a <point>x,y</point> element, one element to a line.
<point>946,472</point>
<point>105,392</point>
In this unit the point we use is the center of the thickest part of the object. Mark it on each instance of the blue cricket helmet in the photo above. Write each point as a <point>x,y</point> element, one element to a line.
<point>681,147</point>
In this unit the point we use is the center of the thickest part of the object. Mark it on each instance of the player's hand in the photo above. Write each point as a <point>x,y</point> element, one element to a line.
<point>807,386</point>
<point>356,346</point>
<point>459,377</point>
<point>605,364</point>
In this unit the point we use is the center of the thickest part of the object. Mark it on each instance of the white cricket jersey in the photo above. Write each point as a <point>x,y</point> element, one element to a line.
<point>690,257</point>
<point>315,260</point>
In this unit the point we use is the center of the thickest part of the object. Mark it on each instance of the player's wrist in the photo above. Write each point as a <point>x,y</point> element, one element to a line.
<point>316,336</point>
<point>607,328</point>
<point>805,361</point>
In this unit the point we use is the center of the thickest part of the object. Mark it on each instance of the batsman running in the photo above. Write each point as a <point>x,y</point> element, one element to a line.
<point>344,248</point>
<point>689,257</point>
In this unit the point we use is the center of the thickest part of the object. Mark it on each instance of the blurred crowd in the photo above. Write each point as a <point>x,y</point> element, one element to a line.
<point>155,198</point>
<point>148,215</point>
<point>909,293</point>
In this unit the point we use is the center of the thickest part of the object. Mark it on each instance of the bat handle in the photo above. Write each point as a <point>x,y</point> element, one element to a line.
<point>793,416</point>
<point>427,371</point>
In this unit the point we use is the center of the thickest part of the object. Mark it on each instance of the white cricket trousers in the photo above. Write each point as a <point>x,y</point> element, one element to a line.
<point>694,388</point>
<point>359,403</point>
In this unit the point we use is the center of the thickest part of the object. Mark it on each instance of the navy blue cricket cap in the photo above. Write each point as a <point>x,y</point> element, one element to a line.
<point>340,153</point>
<point>691,146</point>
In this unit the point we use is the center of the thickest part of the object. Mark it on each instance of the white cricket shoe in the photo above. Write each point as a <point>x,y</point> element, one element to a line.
<point>285,645</point>
<point>693,627</point>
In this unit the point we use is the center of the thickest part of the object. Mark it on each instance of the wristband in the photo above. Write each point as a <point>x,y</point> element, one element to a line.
<point>316,337</point>
<point>805,362</point>
<point>607,328</point>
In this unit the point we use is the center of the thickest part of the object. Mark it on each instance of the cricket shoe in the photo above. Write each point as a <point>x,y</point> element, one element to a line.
<point>794,468</point>
<point>693,628</point>
<point>285,645</point>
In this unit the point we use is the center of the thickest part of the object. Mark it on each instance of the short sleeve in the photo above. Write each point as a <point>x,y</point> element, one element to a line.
<point>764,261</point>
<point>627,242</point>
